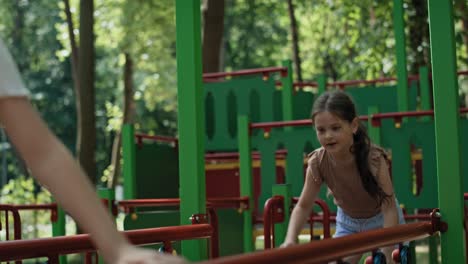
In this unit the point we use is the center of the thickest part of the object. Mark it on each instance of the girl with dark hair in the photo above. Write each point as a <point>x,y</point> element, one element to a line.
<point>355,171</point>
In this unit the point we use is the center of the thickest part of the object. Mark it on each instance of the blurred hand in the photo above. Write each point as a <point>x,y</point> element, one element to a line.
<point>134,255</point>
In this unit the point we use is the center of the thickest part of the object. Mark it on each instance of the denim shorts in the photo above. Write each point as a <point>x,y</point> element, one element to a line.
<point>346,225</point>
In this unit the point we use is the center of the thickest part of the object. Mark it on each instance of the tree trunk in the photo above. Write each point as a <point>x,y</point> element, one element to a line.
<point>462,9</point>
<point>419,34</point>
<point>86,144</point>
<point>213,28</point>
<point>74,49</point>
<point>295,41</point>
<point>74,67</point>
<point>17,35</point>
<point>128,114</point>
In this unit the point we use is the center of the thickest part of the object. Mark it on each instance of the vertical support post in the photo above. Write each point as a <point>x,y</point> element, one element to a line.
<point>129,161</point>
<point>109,195</point>
<point>246,178</point>
<point>424,88</point>
<point>287,92</point>
<point>374,132</point>
<point>190,121</point>
<point>400,46</point>
<point>58,229</point>
<point>433,246</point>
<point>447,129</point>
<point>282,228</point>
<point>322,84</point>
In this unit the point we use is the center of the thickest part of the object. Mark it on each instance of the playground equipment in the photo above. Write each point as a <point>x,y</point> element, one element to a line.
<point>53,247</point>
<point>236,109</point>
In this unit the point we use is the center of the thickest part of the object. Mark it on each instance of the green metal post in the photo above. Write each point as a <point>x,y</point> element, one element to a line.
<point>424,88</point>
<point>374,132</point>
<point>58,229</point>
<point>287,92</point>
<point>129,161</point>
<point>109,195</point>
<point>246,178</point>
<point>400,46</point>
<point>322,83</point>
<point>282,228</point>
<point>446,107</point>
<point>190,121</point>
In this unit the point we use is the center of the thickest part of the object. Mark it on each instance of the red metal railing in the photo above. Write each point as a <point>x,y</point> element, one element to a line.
<point>167,139</point>
<point>265,72</point>
<point>34,207</point>
<point>241,203</point>
<point>344,84</point>
<point>334,249</point>
<point>16,221</point>
<point>271,215</point>
<point>325,218</point>
<point>53,247</point>
<point>235,155</point>
<point>398,116</point>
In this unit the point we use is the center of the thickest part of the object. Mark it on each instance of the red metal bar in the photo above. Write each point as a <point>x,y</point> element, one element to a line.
<point>308,122</point>
<point>235,155</point>
<point>269,210</point>
<point>214,242</point>
<point>224,202</point>
<point>263,71</point>
<point>326,218</point>
<point>44,247</point>
<point>52,207</point>
<point>344,84</point>
<point>266,125</point>
<point>168,139</point>
<point>16,221</point>
<point>333,249</point>
<point>229,202</point>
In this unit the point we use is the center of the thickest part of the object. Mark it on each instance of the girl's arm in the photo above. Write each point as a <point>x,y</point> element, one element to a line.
<point>302,209</point>
<point>389,208</point>
<point>53,165</point>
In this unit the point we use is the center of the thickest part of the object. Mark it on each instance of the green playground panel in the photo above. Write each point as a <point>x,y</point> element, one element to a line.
<point>260,100</point>
<point>157,176</point>
<point>157,170</point>
<point>225,100</point>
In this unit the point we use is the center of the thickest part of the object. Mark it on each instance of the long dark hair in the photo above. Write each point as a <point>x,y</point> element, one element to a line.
<point>341,105</point>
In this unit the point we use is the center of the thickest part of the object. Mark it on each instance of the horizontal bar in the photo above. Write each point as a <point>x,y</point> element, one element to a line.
<point>157,138</point>
<point>52,206</point>
<point>264,71</point>
<point>333,249</point>
<point>308,122</point>
<point>221,202</point>
<point>343,84</point>
<point>235,155</point>
<point>42,247</point>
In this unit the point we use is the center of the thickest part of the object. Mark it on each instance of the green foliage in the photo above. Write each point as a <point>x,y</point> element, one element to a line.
<point>25,191</point>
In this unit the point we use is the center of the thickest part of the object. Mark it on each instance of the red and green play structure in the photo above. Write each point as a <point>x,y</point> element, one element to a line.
<point>243,137</point>
<point>237,166</point>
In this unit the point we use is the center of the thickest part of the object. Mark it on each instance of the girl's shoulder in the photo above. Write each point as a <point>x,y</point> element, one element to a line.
<point>377,156</point>
<point>315,157</point>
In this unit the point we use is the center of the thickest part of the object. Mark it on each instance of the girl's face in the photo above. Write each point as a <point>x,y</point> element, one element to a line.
<point>334,133</point>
